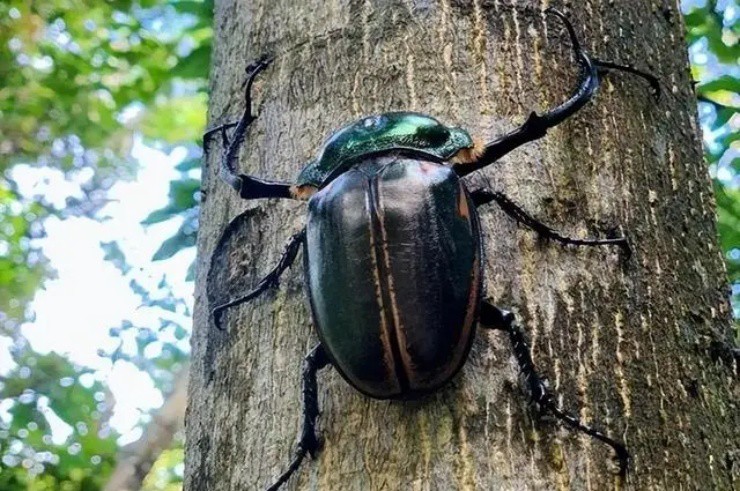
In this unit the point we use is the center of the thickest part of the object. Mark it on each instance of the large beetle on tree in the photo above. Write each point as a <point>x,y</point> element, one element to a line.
<point>393,249</point>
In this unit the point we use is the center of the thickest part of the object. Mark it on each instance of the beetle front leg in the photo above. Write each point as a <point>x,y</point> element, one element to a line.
<point>271,280</point>
<point>605,67</point>
<point>308,441</point>
<point>536,126</point>
<point>211,133</point>
<point>248,187</point>
<point>484,196</point>
<point>494,318</point>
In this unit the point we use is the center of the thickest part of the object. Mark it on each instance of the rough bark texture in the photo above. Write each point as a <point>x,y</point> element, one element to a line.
<point>622,341</point>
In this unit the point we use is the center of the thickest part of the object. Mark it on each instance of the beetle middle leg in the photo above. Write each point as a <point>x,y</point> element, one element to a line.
<point>536,125</point>
<point>494,318</point>
<point>308,441</point>
<point>271,280</point>
<point>483,196</point>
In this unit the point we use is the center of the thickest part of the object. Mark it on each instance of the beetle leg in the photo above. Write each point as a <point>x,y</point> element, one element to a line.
<point>271,280</point>
<point>248,187</point>
<point>308,442</point>
<point>605,67</point>
<point>536,126</point>
<point>494,318</point>
<point>210,134</point>
<point>484,196</point>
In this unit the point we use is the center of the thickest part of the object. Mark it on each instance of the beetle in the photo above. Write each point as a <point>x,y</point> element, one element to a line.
<point>391,220</point>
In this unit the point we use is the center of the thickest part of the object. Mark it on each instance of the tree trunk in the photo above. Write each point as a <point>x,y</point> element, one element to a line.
<point>623,341</point>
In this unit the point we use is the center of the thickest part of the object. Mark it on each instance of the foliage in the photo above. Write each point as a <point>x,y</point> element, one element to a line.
<point>183,203</point>
<point>81,78</point>
<point>21,269</point>
<point>713,34</point>
<point>54,49</point>
<point>46,391</point>
<point>167,472</point>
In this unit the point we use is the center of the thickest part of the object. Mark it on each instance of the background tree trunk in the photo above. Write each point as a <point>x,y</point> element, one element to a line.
<point>623,341</point>
<point>136,459</point>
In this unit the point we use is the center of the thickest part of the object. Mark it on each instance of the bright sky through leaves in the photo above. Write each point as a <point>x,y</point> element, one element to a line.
<point>89,295</point>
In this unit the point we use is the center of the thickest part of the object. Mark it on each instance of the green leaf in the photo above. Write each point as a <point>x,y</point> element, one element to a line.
<point>195,64</point>
<point>161,215</point>
<point>724,82</point>
<point>182,199</point>
<point>115,255</point>
<point>173,245</point>
<point>176,120</point>
<point>197,8</point>
<point>190,276</point>
<point>188,165</point>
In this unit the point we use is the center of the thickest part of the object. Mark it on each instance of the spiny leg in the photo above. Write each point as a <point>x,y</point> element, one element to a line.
<point>484,196</point>
<point>221,129</point>
<point>494,318</point>
<point>252,70</point>
<point>271,280</point>
<point>536,126</point>
<point>248,187</point>
<point>308,442</point>
<point>605,67</point>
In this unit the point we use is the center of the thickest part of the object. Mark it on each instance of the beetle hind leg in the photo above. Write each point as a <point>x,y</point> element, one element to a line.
<point>271,280</point>
<point>484,196</point>
<point>494,318</point>
<point>308,442</point>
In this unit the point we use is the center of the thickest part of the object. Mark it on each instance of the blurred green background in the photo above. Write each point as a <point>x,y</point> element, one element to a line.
<point>96,98</point>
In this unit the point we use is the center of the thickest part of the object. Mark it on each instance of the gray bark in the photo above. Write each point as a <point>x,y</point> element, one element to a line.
<point>622,341</point>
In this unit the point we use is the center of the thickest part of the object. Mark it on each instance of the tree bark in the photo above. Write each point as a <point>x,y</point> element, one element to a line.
<point>623,341</point>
